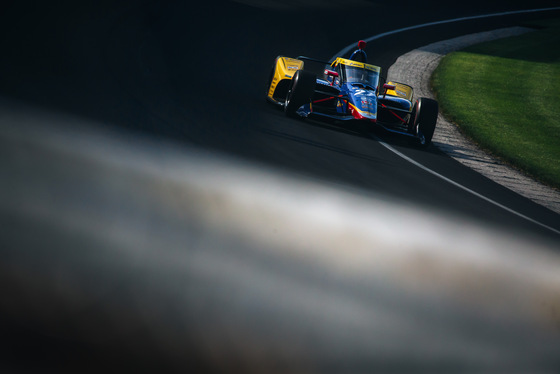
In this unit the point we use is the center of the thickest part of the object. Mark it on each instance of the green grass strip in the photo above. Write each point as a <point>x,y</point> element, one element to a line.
<point>505,95</point>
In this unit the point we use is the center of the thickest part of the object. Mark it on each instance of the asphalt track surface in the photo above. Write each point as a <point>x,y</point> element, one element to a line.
<point>194,74</point>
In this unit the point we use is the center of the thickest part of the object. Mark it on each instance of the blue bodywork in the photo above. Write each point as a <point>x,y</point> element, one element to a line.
<point>350,90</point>
<point>350,101</point>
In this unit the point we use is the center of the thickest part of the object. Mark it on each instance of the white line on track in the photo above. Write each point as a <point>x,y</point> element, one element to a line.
<point>382,35</point>
<point>403,156</point>
<point>416,163</point>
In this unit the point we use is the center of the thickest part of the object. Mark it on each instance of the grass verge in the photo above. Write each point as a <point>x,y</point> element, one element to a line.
<point>505,95</point>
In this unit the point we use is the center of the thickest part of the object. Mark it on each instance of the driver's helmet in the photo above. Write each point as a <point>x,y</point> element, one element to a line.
<point>367,75</point>
<point>360,75</point>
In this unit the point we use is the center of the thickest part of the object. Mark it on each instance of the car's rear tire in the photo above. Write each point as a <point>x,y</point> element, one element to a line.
<point>423,119</point>
<point>301,91</point>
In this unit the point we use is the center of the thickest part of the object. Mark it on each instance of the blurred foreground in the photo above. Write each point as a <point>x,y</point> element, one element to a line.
<point>120,252</point>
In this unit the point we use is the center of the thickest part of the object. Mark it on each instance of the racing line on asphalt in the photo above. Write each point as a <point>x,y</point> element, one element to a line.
<point>406,158</point>
<point>425,168</point>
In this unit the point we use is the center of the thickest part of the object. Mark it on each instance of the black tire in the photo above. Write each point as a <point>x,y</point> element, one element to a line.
<point>300,92</point>
<point>423,119</point>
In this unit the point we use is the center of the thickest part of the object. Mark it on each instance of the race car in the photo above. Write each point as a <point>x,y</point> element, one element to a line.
<point>349,90</point>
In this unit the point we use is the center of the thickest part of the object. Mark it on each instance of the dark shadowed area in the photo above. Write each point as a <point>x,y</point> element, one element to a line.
<point>156,214</point>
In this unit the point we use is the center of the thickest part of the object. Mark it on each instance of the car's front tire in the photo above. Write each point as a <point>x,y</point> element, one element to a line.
<point>300,93</point>
<point>422,122</point>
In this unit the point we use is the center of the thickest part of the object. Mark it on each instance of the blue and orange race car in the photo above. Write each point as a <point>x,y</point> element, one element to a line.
<point>349,90</point>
